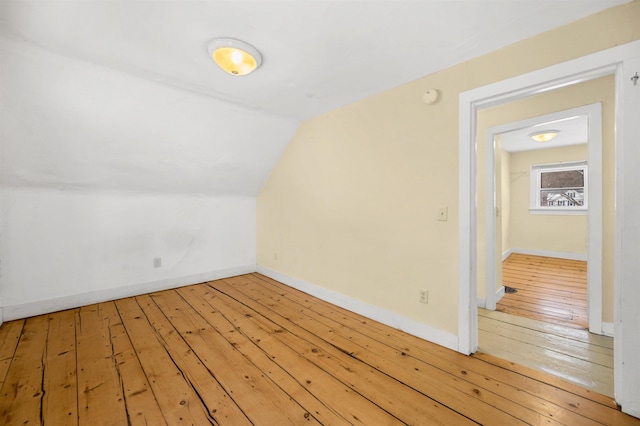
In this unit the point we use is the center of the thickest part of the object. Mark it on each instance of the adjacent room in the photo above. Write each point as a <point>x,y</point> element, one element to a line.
<point>297,212</point>
<point>547,150</point>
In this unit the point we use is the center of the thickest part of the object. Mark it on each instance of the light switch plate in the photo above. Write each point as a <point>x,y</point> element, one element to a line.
<point>442,214</point>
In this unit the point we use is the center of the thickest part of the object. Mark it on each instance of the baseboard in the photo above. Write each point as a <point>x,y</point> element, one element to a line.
<point>82,299</point>
<point>547,253</point>
<point>391,319</point>
<point>482,303</point>
<point>1,316</point>
<point>608,329</point>
<point>506,254</point>
<point>635,411</point>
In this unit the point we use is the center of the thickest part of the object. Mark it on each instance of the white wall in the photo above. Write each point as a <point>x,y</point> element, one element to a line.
<point>83,247</point>
<point>72,124</point>
<point>102,171</point>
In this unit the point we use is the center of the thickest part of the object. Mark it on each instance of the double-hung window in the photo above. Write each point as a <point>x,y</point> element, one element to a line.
<point>560,188</point>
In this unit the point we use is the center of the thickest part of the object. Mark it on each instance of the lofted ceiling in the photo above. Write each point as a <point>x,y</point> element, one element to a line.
<point>106,124</point>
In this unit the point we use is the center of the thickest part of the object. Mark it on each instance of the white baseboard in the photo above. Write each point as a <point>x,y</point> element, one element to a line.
<point>546,253</point>
<point>482,303</point>
<point>82,299</point>
<point>608,329</point>
<point>1,316</point>
<point>631,411</point>
<point>391,319</point>
<point>506,254</point>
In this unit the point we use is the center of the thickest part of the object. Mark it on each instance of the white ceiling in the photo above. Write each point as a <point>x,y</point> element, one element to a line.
<point>572,131</point>
<point>318,55</point>
<point>91,60</point>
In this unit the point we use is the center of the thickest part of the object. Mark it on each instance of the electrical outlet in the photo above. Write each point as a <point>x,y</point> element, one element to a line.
<point>423,296</point>
<point>157,262</point>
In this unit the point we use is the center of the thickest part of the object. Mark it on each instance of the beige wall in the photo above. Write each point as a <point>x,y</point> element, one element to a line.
<point>539,231</point>
<point>351,205</point>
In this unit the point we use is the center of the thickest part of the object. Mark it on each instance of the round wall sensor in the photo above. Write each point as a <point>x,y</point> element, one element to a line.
<point>430,96</point>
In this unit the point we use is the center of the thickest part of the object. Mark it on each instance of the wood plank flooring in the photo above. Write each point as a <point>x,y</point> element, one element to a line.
<point>249,350</point>
<point>573,354</point>
<point>549,289</point>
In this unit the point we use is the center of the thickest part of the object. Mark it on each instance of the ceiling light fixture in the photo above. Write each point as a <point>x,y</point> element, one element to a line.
<point>234,56</point>
<point>544,136</point>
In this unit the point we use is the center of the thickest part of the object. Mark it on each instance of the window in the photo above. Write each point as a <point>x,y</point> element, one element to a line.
<point>559,188</point>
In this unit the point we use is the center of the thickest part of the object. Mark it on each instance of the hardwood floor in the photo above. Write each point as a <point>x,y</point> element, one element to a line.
<point>549,289</point>
<point>249,350</point>
<point>544,325</point>
<point>573,354</point>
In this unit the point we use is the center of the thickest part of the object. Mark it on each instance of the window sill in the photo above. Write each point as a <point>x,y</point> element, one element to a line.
<point>560,212</point>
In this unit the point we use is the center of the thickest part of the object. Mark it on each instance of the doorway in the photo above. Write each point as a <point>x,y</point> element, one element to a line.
<point>623,61</point>
<point>543,216</point>
<point>511,218</point>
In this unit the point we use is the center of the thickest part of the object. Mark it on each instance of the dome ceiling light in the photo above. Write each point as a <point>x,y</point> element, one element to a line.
<point>235,57</point>
<point>544,136</point>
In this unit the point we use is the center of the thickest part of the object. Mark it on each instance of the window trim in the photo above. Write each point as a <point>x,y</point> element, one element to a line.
<point>534,182</point>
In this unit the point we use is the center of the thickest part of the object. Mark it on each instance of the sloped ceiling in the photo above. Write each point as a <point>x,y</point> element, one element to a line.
<point>121,95</point>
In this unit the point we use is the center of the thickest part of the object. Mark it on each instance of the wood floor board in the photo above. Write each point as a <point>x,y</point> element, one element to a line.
<point>178,401</point>
<point>520,389</point>
<point>391,394</point>
<point>584,373</point>
<point>9,338</point>
<point>141,403</point>
<point>542,306</point>
<point>322,393</point>
<point>330,400</point>
<point>565,278</point>
<point>244,381</point>
<point>592,411</point>
<point>523,298</point>
<point>548,289</point>
<point>60,402</point>
<point>574,354</point>
<point>560,263</point>
<point>219,403</point>
<point>537,306</point>
<point>569,318</point>
<point>100,397</point>
<point>542,264</point>
<point>478,383</point>
<point>396,363</point>
<point>582,350</point>
<point>544,325</point>
<point>250,350</point>
<point>550,293</point>
<point>580,335</point>
<point>571,282</point>
<point>551,275</point>
<point>22,393</point>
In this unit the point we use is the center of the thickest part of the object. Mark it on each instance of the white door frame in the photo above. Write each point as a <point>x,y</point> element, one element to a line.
<point>594,227</point>
<point>624,62</point>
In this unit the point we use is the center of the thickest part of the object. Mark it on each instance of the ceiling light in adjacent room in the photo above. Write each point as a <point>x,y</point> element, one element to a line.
<point>234,56</point>
<point>544,136</point>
